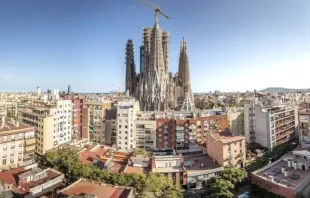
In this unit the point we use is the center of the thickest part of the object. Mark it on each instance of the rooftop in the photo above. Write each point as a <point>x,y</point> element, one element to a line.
<point>132,169</point>
<point>90,154</point>
<point>11,128</point>
<point>9,177</point>
<point>50,174</point>
<point>198,164</point>
<point>294,176</point>
<point>101,190</point>
<point>226,137</point>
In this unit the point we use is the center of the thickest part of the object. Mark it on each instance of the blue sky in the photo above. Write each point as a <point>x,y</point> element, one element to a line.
<point>233,45</point>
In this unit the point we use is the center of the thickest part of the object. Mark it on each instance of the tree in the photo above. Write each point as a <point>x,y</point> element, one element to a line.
<point>220,187</point>
<point>300,195</point>
<point>140,151</point>
<point>233,174</point>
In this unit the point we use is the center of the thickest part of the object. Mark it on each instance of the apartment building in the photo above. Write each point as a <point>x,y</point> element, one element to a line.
<point>52,119</point>
<point>236,120</point>
<point>179,131</point>
<point>145,134</point>
<point>304,127</point>
<point>226,149</point>
<point>269,122</point>
<point>127,109</point>
<point>110,126</point>
<point>8,108</point>
<point>97,111</point>
<point>77,115</point>
<point>17,144</point>
<point>167,162</point>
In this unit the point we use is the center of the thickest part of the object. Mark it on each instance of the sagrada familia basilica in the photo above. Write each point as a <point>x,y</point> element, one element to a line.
<point>155,87</point>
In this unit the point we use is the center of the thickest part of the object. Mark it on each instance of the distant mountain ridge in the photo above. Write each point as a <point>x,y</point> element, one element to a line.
<point>282,89</point>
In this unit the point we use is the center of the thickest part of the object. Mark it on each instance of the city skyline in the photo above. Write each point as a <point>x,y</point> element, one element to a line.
<point>234,46</point>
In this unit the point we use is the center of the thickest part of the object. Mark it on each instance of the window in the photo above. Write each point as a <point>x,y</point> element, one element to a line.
<point>4,162</point>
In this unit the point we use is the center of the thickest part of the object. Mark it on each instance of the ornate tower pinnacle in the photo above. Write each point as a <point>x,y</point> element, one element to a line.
<point>130,68</point>
<point>184,78</point>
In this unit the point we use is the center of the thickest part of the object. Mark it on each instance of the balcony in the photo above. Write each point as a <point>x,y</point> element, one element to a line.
<point>29,161</point>
<point>192,127</point>
<point>30,142</point>
<point>29,151</point>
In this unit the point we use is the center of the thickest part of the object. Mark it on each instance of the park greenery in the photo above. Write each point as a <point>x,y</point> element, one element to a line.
<point>140,151</point>
<point>146,185</point>
<point>271,156</point>
<point>226,182</point>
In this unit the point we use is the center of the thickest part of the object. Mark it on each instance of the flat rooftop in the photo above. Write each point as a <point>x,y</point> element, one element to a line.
<point>226,137</point>
<point>10,128</point>
<point>50,174</point>
<point>295,177</point>
<point>132,169</point>
<point>194,164</point>
<point>101,190</point>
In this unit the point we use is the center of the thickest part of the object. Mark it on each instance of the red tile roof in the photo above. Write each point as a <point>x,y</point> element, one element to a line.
<point>9,177</point>
<point>99,189</point>
<point>88,156</point>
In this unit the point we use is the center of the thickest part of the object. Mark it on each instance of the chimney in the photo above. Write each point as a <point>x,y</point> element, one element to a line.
<point>295,165</point>
<point>285,172</point>
<point>289,163</point>
<point>282,169</point>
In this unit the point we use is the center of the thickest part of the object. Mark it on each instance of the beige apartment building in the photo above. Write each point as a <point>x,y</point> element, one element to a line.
<point>96,116</point>
<point>226,149</point>
<point>236,120</point>
<point>17,144</point>
<point>53,121</point>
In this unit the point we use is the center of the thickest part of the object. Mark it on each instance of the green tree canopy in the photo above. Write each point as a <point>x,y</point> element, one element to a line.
<point>140,151</point>
<point>220,187</point>
<point>233,174</point>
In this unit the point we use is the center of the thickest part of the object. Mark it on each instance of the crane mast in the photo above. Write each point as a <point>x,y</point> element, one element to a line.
<point>157,10</point>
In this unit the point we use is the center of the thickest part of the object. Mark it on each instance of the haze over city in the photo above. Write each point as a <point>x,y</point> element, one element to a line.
<point>232,45</point>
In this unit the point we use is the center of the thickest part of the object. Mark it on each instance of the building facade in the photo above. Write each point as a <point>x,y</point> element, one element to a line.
<point>97,111</point>
<point>145,134</point>
<point>77,114</point>
<point>226,149</point>
<point>236,120</point>
<point>269,122</point>
<point>304,127</point>
<point>127,109</point>
<point>17,144</point>
<point>52,120</point>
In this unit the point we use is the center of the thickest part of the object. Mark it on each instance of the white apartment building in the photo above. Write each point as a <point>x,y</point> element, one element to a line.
<point>269,122</point>
<point>127,110</point>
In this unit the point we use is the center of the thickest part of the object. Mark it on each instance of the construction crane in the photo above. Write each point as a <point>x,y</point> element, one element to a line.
<point>157,10</point>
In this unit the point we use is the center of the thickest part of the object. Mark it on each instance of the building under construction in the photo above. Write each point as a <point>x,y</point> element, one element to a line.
<point>154,86</point>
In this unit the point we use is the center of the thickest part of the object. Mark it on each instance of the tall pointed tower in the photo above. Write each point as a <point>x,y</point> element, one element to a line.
<point>184,79</point>
<point>130,69</point>
<point>155,69</point>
